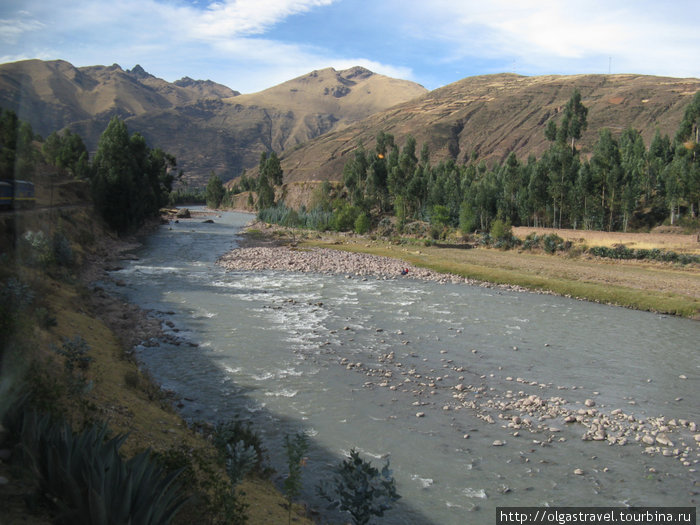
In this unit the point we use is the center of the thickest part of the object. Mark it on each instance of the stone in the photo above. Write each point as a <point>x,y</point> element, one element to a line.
<point>498,443</point>
<point>663,439</point>
<point>578,472</point>
<point>589,403</point>
<point>648,440</point>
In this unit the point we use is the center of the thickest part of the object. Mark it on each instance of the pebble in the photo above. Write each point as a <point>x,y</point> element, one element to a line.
<point>578,472</point>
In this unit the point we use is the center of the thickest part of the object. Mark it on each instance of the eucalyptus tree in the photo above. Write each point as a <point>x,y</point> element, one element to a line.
<point>562,159</point>
<point>607,172</point>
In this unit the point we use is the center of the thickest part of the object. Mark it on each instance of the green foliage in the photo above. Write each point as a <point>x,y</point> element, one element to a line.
<point>316,219</point>
<point>17,154</point>
<point>295,449</point>
<point>467,219</point>
<point>44,318</point>
<point>362,223</point>
<point>360,489</point>
<point>344,218</point>
<point>76,363</point>
<point>89,481</point>
<point>215,191</point>
<point>241,450</point>
<point>67,152</point>
<point>440,215</point>
<point>130,181</point>
<point>621,251</point>
<point>188,196</point>
<point>238,436</point>
<point>622,186</point>
<point>500,230</point>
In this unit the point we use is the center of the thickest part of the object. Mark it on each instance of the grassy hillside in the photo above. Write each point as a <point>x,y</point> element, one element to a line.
<point>207,126</point>
<point>491,116</point>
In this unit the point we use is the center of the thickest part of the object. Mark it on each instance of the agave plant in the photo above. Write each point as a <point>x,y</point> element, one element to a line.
<point>90,481</point>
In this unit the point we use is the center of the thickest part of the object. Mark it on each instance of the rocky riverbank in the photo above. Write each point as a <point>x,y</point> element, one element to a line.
<point>329,261</point>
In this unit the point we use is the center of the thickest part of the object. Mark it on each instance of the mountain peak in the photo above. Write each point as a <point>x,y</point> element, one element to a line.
<point>356,73</point>
<point>139,72</point>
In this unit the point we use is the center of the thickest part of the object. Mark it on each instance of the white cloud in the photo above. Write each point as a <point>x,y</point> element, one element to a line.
<point>563,35</point>
<point>230,41</point>
<point>234,18</point>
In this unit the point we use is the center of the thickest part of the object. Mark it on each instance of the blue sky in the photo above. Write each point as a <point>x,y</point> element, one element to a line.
<point>250,45</point>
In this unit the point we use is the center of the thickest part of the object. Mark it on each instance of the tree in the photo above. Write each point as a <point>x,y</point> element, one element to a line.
<point>67,151</point>
<point>563,163</point>
<point>689,128</point>
<point>215,191</point>
<point>689,134</point>
<point>467,218</point>
<point>607,172</point>
<point>360,489</point>
<point>295,449</point>
<point>575,121</point>
<point>273,169</point>
<point>130,182</point>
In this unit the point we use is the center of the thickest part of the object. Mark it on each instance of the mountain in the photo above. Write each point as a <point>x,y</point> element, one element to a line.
<point>207,126</point>
<point>494,115</point>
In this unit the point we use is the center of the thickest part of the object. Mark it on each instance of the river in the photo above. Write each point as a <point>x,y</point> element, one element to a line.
<point>429,376</point>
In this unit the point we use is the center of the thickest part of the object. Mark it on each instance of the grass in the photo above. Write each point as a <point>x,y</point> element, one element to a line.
<point>676,242</point>
<point>651,287</point>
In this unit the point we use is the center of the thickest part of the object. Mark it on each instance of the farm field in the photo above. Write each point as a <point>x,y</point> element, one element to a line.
<point>678,242</point>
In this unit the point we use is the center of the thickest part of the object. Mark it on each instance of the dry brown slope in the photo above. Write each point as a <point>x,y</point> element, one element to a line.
<point>204,124</point>
<point>54,94</point>
<point>494,115</point>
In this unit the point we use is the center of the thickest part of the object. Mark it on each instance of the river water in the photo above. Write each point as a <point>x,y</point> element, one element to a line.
<point>376,365</point>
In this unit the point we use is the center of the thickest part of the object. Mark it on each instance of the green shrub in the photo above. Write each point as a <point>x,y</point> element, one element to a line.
<point>622,252</point>
<point>500,230</point>
<point>360,489</point>
<point>295,448</point>
<point>231,433</point>
<point>44,318</point>
<point>76,363</point>
<point>344,218</point>
<point>552,242</point>
<point>90,482</point>
<point>362,223</point>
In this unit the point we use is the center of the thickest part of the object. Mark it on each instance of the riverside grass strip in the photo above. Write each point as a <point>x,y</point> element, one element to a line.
<point>661,289</point>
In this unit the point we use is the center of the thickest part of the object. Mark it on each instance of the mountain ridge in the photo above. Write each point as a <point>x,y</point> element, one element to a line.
<point>313,121</point>
<point>493,115</point>
<point>207,126</point>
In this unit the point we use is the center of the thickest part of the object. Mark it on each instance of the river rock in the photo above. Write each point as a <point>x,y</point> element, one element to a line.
<point>662,439</point>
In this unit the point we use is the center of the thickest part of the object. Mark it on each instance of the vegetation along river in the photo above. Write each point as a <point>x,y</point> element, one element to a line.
<point>479,397</point>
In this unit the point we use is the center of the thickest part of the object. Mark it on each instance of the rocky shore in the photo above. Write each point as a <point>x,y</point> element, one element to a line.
<point>329,261</point>
<point>542,417</point>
